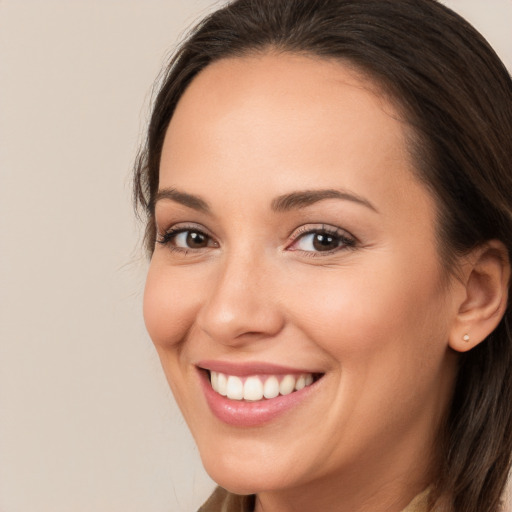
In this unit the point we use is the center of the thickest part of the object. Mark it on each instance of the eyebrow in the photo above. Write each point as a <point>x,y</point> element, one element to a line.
<point>304,198</point>
<point>286,202</point>
<point>189,200</point>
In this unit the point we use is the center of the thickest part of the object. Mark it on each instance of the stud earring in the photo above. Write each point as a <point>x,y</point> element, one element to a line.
<point>465,337</point>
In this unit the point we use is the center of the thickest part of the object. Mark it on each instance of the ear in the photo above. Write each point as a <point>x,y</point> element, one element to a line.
<point>486,274</point>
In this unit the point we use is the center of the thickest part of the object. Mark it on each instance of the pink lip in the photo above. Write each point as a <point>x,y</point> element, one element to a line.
<point>239,413</point>
<point>255,368</point>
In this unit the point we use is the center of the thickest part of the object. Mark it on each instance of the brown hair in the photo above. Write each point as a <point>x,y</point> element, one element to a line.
<point>457,98</point>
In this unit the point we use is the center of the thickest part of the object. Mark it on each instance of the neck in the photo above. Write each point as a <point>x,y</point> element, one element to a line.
<point>393,498</point>
<point>386,482</point>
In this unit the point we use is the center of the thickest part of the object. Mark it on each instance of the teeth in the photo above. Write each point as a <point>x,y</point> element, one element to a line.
<point>271,387</point>
<point>214,376</point>
<point>287,385</point>
<point>253,388</point>
<point>235,388</point>
<point>222,384</point>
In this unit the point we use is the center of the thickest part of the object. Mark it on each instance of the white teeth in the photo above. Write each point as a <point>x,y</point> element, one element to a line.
<point>287,385</point>
<point>222,383</point>
<point>255,388</point>
<point>271,387</point>
<point>214,376</point>
<point>235,388</point>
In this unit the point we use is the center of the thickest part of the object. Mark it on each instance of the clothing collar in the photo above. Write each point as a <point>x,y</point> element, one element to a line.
<point>224,501</point>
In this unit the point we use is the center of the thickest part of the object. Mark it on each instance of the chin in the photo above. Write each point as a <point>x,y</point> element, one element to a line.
<point>243,474</point>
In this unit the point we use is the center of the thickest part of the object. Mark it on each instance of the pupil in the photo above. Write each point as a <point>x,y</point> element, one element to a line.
<point>196,240</point>
<point>324,242</point>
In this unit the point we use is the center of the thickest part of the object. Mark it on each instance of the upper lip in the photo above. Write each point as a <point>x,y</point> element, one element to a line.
<point>243,369</point>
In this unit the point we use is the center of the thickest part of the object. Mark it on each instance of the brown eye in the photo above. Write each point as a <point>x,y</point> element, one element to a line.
<point>196,240</point>
<point>183,239</point>
<point>325,242</point>
<point>322,240</point>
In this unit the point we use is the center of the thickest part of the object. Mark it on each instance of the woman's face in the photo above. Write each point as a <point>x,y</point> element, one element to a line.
<point>297,248</point>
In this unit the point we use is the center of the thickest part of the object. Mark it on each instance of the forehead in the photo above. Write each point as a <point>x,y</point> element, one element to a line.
<point>289,121</point>
<point>277,92</point>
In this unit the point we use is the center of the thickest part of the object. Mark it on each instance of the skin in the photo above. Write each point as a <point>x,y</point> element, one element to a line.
<point>375,318</point>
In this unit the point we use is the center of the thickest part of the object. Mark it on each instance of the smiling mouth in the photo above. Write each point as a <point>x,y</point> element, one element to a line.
<point>255,388</point>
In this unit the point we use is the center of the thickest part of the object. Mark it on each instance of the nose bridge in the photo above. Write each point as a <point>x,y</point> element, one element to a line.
<point>240,300</point>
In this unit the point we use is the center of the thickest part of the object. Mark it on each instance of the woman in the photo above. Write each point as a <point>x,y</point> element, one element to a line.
<point>328,191</point>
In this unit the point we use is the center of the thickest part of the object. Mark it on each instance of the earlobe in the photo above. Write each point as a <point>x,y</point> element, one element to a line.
<point>486,279</point>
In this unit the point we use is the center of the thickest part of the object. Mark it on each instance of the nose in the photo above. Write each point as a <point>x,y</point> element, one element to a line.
<point>241,305</point>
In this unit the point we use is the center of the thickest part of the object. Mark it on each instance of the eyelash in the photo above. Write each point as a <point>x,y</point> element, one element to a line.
<point>344,239</point>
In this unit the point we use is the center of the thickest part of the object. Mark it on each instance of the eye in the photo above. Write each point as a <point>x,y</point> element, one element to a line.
<point>191,240</point>
<point>324,239</point>
<point>184,239</point>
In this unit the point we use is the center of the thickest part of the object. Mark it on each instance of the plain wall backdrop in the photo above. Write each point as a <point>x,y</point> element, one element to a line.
<point>86,419</point>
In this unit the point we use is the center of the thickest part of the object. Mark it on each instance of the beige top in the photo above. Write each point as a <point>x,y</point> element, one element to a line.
<point>223,501</point>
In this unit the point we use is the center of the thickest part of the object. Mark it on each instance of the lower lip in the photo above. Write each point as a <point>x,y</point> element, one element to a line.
<point>239,413</point>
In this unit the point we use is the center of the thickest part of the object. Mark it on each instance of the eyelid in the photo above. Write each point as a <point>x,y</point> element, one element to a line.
<point>183,226</point>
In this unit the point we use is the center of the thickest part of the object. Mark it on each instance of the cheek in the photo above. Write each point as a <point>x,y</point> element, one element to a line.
<point>386,336</point>
<point>169,308</point>
<point>391,307</point>
<point>169,312</point>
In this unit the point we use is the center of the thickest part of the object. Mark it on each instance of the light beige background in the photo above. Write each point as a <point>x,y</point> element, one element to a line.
<point>86,420</point>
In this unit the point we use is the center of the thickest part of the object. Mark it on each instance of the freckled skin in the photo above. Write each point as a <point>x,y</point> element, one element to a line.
<point>374,318</point>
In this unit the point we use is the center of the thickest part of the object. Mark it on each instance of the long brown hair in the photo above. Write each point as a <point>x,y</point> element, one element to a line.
<point>456,95</point>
